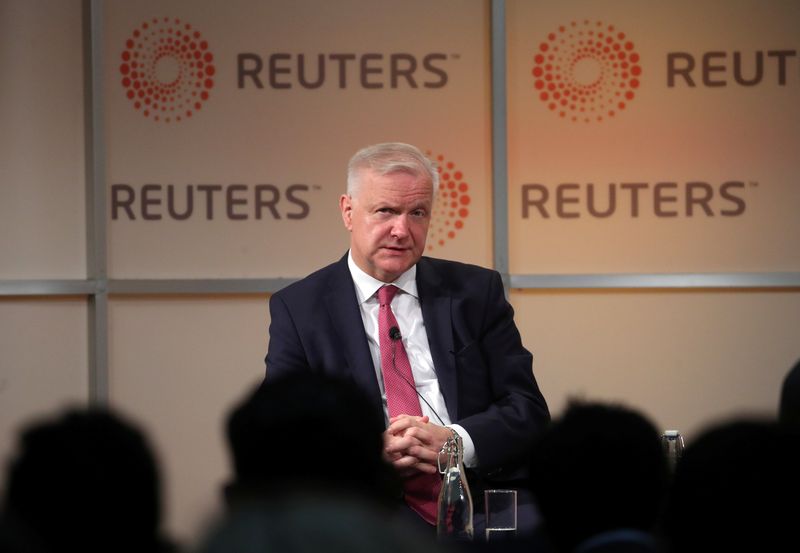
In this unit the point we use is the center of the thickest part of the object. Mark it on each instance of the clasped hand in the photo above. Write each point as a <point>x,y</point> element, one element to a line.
<point>412,444</point>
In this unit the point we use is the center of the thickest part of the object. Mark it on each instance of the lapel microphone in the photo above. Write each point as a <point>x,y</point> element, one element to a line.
<point>396,336</point>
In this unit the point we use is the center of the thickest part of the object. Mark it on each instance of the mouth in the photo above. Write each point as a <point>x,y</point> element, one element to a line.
<point>395,249</point>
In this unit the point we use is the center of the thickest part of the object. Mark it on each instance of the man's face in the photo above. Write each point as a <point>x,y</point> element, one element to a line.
<point>388,222</point>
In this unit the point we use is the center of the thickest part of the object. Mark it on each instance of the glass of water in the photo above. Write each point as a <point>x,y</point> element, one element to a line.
<point>501,514</point>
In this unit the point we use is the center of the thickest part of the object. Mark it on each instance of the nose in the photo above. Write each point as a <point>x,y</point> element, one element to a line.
<point>400,226</point>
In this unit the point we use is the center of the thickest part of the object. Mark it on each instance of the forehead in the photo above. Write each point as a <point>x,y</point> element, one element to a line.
<point>395,186</point>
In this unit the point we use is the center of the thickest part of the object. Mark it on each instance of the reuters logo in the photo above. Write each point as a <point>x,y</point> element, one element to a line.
<point>451,206</point>
<point>167,70</point>
<point>586,71</point>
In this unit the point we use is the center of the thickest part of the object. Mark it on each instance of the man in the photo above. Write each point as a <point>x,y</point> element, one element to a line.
<point>448,321</point>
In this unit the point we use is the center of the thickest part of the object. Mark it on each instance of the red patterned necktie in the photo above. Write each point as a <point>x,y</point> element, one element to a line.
<point>421,490</point>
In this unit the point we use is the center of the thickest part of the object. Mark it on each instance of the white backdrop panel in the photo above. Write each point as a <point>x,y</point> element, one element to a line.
<point>42,177</point>
<point>697,172</point>
<point>272,139</point>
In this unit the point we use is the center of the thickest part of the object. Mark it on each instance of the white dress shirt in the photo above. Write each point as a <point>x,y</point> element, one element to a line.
<point>407,311</point>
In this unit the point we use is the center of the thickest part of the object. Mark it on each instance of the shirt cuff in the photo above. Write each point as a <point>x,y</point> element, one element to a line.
<point>470,458</point>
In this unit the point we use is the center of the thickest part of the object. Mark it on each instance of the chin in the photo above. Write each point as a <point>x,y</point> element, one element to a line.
<point>395,269</point>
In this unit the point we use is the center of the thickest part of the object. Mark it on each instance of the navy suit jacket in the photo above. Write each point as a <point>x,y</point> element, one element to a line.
<point>485,374</point>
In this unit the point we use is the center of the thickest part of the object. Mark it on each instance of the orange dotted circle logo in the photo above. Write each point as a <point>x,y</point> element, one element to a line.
<point>586,71</point>
<point>167,69</point>
<point>451,205</point>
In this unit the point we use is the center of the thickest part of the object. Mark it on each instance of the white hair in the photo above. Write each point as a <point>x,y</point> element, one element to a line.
<point>390,157</point>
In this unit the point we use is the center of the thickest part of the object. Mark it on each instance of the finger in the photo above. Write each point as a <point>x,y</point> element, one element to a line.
<point>424,454</point>
<point>404,422</point>
<point>414,469</point>
<point>408,465</point>
<point>405,462</point>
<point>427,468</point>
<point>391,456</point>
<point>401,444</point>
<point>423,418</point>
<point>402,449</point>
<point>420,434</point>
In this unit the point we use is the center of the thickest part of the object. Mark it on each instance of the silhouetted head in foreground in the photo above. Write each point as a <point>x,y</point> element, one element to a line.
<point>789,410</point>
<point>84,481</point>
<point>736,488</point>
<point>308,432</point>
<point>599,468</point>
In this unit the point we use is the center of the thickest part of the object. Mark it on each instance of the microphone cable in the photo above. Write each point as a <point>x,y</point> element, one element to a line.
<point>394,336</point>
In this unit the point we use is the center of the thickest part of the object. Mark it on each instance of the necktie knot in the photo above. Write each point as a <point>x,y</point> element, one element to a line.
<point>386,294</point>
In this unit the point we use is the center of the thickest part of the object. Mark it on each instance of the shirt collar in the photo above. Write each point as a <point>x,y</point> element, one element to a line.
<point>366,286</point>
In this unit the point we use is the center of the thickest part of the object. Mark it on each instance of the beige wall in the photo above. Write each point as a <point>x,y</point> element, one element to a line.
<point>178,365</point>
<point>42,176</point>
<point>43,361</point>
<point>686,358</point>
<point>43,341</point>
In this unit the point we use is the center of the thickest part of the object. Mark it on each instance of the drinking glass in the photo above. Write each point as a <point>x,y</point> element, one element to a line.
<point>501,514</point>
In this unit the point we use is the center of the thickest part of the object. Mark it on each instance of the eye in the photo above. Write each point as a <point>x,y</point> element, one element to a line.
<point>419,213</point>
<point>384,212</point>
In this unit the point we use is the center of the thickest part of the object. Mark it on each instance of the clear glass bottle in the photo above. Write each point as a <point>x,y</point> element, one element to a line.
<point>672,443</point>
<point>454,520</point>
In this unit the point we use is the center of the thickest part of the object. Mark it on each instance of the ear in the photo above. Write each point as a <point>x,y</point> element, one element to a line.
<point>346,207</point>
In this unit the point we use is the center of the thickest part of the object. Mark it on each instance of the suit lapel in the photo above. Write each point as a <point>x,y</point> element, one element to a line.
<point>437,315</point>
<point>343,309</point>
